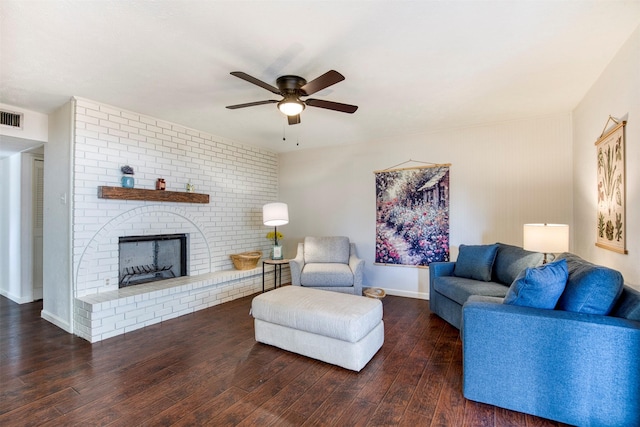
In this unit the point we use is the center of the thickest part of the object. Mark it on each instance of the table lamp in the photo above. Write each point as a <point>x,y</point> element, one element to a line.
<point>275,214</point>
<point>546,238</point>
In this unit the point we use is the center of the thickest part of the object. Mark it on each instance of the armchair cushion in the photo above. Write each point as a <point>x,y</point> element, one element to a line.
<point>585,292</point>
<point>475,261</point>
<point>539,287</point>
<point>327,274</point>
<point>332,249</point>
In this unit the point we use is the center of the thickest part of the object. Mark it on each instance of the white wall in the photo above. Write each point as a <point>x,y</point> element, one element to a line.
<point>5,175</point>
<point>10,223</point>
<point>615,93</point>
<point>502,176</point>
<point>16,231</point>
<point>57,291</point>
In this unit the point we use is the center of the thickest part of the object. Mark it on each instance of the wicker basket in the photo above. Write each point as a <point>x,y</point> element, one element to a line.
<point>246,260</point>
<point>376,293</point>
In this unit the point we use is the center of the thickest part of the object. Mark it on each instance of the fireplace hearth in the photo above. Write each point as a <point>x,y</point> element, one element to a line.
<point>145,259</point>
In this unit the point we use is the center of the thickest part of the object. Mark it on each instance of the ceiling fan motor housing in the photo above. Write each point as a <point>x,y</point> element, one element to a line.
<point>290,84</point>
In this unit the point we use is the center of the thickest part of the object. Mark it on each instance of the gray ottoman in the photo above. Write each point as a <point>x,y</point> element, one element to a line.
<point>341,329</point>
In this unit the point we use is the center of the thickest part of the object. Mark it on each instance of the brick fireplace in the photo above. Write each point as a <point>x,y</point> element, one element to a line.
<point>239,179</point>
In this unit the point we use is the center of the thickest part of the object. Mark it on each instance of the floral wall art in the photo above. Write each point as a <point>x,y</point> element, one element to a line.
<point>611,222</point>
<point>412,215</point>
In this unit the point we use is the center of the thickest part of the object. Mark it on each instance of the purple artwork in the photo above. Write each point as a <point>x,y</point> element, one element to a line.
<point>412,218</point>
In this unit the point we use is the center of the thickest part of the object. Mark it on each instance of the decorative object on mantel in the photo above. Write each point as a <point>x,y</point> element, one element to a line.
<point>127,180</point>
<point>190,187</point>
<point>412,214</point>
<point>160,184</point>
<point>275,214</point>
<point>246,260</point>
<point>105,192</point>
<point>611,220</point>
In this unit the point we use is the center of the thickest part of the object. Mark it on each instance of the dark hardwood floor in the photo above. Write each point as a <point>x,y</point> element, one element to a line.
<point>206,369</point>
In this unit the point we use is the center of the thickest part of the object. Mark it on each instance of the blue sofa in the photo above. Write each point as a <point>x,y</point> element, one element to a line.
<point>578,363</point>
<point>486,270</point>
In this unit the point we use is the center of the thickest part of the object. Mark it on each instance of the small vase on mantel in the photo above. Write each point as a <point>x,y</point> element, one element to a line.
<point>127,180</point>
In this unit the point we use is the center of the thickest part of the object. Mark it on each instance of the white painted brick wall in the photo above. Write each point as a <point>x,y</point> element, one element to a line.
<point>239,180</point>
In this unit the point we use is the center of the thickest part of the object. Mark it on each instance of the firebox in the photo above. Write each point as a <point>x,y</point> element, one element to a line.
<point>146,259</point>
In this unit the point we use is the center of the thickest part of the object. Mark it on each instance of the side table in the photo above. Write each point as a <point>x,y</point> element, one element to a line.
<point>277,270</point>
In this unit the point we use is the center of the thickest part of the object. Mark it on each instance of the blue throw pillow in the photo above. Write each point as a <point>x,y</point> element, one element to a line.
<point>539,287</point>
<point>475,261</point>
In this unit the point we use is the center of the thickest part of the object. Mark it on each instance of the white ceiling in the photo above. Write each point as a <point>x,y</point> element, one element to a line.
<point>411,66</point>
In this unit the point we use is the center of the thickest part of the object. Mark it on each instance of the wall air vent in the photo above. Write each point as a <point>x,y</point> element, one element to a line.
<point>8,118</point>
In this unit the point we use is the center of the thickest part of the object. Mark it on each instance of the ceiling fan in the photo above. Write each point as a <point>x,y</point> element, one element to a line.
<point>292,88</point>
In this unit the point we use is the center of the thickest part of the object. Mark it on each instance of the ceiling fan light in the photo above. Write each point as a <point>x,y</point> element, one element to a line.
<point>291,106</point>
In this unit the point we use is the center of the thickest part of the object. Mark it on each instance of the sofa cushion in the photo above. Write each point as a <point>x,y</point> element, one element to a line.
<point>539,287</point>
<point>326,274</point>
<point>628,305</point>
<point>475,261</point>
<point>592,289</point>
<point>511,261</point>
<point>326,249</point>
<point>460,289</point>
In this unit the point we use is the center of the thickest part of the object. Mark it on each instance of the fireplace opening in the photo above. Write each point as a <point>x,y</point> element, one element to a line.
<point>146,259</point>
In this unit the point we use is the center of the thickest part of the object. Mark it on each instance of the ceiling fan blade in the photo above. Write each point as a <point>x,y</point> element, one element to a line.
<point>247,77</point>
<point>327,79</point>
<point>251,104</point>
<point>330,105</point>
<point>294,120</point>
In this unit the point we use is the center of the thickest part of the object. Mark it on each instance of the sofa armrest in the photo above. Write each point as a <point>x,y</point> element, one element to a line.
<point>576,368</point>
<point>437,269</point>
<point>296,265</point>
<point>441,268</point>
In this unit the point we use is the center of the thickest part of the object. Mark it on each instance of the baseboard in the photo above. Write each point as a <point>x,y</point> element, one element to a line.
<point>16,298</point>
<point>407,294</point>
<point>60,323</point>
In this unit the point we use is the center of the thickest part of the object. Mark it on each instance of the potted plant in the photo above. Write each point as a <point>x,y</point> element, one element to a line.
<point>276,249</point>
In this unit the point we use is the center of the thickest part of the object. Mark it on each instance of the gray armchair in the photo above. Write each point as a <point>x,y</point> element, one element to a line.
<point>328,263</point>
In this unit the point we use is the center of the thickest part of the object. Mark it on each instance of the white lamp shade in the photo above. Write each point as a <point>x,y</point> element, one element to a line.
<point>546,238</point>
<point>275,214</point>
<point>290,107</point>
